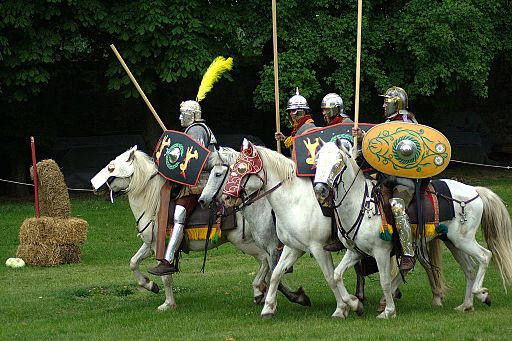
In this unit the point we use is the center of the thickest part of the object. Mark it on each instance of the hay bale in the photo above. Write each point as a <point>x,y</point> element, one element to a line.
<point>53,192</point>
<point>55,231</point>
<point>48,254</point>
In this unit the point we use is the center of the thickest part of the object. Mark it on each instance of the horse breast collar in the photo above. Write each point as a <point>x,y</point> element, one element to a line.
<point>249,162</point>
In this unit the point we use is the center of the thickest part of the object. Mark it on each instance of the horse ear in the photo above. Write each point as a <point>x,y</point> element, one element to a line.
<point>248,147</point>
<point>321,143</point>
<point>131,155</point>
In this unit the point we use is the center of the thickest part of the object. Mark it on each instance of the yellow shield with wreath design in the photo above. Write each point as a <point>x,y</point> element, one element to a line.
<point>406,150</point>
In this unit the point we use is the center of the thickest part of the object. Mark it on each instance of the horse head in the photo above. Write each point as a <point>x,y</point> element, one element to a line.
<point>240,183</point>
<point>116,175</point>
<point>219,162</point>
<point>330,162</point>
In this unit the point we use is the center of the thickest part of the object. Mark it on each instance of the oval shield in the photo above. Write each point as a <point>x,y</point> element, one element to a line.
<point>407,150</point>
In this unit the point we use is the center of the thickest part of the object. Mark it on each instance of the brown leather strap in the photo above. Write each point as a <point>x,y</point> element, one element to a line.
<point>163,214</point>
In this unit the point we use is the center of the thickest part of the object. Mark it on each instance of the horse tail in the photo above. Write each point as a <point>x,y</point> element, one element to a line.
<point>497,229</point>
<point>436,260</point>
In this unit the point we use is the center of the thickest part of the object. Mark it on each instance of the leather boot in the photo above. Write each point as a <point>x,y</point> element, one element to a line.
<point>407,263</point>
<point>163,268</point>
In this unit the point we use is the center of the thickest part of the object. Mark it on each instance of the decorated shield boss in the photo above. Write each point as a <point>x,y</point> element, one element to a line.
<point>180,158</point>
<point>406,149</point>
<point>306,146</point>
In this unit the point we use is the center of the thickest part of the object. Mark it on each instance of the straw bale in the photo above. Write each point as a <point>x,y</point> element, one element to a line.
<point>53,192</point>
<point>47,230</point>
<point>48,254</point>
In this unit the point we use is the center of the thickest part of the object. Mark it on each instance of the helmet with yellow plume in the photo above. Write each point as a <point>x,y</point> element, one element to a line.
<point>190,111</point>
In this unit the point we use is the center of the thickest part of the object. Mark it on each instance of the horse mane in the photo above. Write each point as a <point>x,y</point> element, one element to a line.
<point>141,184</point>
<point>284,167</point>
<point>222,156</point>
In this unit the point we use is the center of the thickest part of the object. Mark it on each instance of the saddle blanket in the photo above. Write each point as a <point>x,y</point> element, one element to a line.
<point>436,208</point>
<point>197,224</point>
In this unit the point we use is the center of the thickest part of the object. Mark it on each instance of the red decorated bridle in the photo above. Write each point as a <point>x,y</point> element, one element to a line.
<point>249,163</point>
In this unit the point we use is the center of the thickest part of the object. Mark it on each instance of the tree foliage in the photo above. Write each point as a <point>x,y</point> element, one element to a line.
<point>426,47</point>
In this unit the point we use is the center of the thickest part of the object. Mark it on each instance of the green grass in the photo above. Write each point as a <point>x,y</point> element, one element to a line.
<point>99,299</point>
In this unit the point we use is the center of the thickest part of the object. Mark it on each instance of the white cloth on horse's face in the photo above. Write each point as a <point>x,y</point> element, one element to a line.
<point>120,167</point>
<point>325,163</point>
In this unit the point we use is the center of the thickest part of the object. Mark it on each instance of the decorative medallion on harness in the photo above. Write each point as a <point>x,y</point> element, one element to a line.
<point>406,149</point>
<point>305,146</point>
<point>180,158</point>
<point>249,162</point>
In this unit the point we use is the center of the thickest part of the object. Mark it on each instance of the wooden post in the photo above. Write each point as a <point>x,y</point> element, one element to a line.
<point>34,169</point>
<point>134,81</point>
<point>358,70</point>
<point>276,72</point>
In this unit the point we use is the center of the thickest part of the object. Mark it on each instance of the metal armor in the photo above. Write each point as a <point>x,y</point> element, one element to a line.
<point>297,107</point>
<point>396,102</point>
<point>190,112</point>
<point>334,103</point>
<point>180,215</point>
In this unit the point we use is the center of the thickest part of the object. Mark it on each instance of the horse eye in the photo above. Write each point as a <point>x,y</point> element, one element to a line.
<point>218,174</point>
<point>111,167</point>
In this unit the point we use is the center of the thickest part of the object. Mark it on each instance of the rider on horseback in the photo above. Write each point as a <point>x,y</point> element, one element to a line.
<point>299,115</point>
<point>186,200</point>
<point>397,190</point>
<point>332,110</point>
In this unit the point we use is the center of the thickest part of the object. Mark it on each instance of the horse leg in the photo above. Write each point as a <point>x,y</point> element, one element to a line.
<point>433,275</point>
<point>468,266</point>
<point>259,284</point>
<point>143,252</point>
<point>349,259</point>
<point>384,265</point>
<point>169,303</point>
<point>287,259</point>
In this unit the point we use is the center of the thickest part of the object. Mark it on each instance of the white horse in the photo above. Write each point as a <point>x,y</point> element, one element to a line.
<point>135,174</point>
<point>300,224</point>
<point>257,213</point>
<point>475,206</point>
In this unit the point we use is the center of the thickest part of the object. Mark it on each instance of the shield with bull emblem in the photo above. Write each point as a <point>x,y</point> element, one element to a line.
<point>407,150</point>
<point>306,146</point>
<point>180,158</point>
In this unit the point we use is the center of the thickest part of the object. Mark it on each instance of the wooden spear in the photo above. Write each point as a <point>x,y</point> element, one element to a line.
<point>134,81</point>
<point>358,70</point>
<point>276,73</point>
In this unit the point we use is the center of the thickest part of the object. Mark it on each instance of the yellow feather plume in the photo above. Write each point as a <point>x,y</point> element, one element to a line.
<point>215,70</point>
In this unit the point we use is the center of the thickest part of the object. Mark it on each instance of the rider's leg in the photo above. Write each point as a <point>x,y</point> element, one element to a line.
<point>404,231</point>
<point>166,265</point>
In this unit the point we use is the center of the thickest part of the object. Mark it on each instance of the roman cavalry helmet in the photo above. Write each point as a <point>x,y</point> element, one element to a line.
<point>297,102</point>
<point>334,102</point>
<point>397,99</point>
<point>190,111</point>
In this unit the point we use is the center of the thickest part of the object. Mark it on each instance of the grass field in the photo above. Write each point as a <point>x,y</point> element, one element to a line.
<point>99,299</point>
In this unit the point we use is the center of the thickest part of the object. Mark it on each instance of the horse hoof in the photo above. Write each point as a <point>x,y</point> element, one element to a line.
<point>267,316</point>
<point>155,288</point>
<point>360,309</point>
<point>165,307</point>
<point>302,298</point>
<point>488,300</point>
<point>259,299</point>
